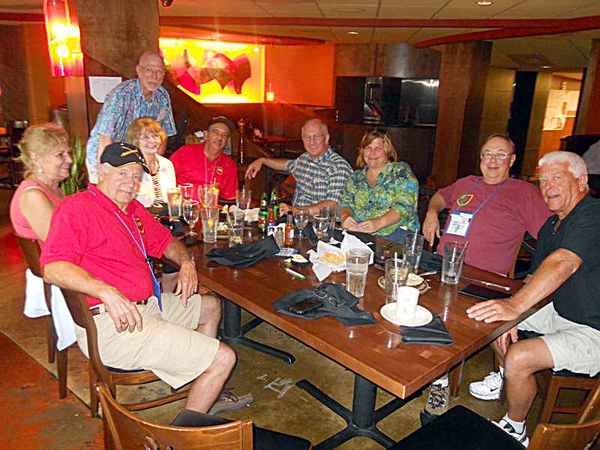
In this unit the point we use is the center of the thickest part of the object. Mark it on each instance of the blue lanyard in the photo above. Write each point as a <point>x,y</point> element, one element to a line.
<point>487,199</point>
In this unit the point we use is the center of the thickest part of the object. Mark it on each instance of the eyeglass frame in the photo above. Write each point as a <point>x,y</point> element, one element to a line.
<point>322,294</point>
<point>501,156</point>
<point>314,137</point>
<point>153,71</point>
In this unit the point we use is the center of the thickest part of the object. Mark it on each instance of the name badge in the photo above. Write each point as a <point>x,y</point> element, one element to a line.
<point>460,222</point>
<point>162,114</point>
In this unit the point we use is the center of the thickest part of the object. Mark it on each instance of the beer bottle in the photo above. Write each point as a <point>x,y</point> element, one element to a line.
<point>274,202</point>
<point>263,214</point>
<point>289,229</point>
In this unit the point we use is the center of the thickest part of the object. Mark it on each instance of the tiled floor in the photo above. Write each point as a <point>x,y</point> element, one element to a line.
<point>279,404</point>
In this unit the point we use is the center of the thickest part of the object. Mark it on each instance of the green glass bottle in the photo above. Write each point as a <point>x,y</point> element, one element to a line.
<point>263,213</point>
<point>274,202</point>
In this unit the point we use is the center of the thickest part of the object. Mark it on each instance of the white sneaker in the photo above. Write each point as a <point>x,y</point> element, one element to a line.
<point>509,429</point>
<point>487,389</point>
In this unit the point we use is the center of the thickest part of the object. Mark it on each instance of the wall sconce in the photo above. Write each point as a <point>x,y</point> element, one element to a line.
<point>270,95</point>
<point>66,58</point>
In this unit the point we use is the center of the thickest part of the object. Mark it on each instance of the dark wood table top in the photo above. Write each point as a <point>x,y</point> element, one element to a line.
<point>373,351</point>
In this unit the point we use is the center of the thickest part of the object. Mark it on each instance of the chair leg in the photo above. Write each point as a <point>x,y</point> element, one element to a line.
<point>61,366</point>
<point>94,400</point>
<point>550,400</point>
<point>51,339</point>
<point>456,376</point>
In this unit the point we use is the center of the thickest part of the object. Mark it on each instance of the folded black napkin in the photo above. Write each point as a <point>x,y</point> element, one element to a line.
<point>337,302</point>
<point>338,235</point>
<point>434,333</point>
<point>244,255</point>
<point>430,261</point>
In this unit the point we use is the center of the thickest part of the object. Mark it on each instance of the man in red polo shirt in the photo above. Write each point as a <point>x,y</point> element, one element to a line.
<point>98,244</point>
<point>205,163</point>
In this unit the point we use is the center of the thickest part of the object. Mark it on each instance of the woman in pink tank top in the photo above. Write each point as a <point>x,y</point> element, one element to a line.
<point>47,159</point>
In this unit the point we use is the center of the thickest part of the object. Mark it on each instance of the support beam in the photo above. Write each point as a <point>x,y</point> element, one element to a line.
<point>588,113</point>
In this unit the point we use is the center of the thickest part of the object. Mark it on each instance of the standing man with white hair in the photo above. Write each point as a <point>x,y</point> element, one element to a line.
<point>139,97</point>
<point>567,266</point>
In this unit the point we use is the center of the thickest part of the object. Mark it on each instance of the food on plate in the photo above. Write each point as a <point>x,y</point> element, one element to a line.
<point>333,258</point>
<point>414,280</point>
<point>299,258</point>
<point>222,228</point>
<point>225,209</point>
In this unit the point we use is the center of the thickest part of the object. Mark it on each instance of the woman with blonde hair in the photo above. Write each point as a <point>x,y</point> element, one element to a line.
<point>381,196</point>
<point>46,155</point>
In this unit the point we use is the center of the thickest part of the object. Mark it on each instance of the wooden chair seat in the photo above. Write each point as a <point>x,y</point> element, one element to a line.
<point>31,252</point>
<point>191,430</point>
<point>565,379</point>
<point>82,316</point>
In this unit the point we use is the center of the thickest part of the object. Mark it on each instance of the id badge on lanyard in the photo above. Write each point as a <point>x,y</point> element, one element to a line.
<point>459,223</point>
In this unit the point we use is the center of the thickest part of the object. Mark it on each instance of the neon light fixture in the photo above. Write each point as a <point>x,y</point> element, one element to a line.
<point>66,58</point>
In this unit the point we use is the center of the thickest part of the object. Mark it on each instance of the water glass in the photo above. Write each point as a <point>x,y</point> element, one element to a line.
<point>321,224</point>
<point>236,233</point>
<point>331,212</point>
<point>301,220</point>
<point>357,266</point>
<point>191,214</point>
<point>210,223</point>
<point>242,198</point>
<point>396,273</point>
<point>174,200</point>
<point>208,195</point>
<point>187,190</point>
<point>454,256</point>
<point>411,251</point>
<point>408,299</point>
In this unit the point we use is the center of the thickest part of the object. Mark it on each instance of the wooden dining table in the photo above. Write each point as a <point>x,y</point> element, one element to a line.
<point>374,353</point>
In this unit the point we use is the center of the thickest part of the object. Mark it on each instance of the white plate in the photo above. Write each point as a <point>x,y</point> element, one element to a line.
<point>422,317</point>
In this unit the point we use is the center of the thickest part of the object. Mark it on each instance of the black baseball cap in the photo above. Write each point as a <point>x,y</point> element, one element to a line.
<point>223,120</point>
<point>119,154</point>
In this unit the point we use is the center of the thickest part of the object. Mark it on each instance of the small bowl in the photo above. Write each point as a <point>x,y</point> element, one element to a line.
<point>300,265</point>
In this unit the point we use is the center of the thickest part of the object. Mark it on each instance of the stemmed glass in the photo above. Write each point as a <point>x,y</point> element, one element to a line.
<point>301,220</point>
<point>191,214</point>
<point>187,190</point>
<point>243,198</point>
<point>208,195</point>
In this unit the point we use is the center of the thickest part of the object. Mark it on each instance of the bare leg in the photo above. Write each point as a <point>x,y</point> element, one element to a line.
<point>522,360</point>
<point>169,281</point>
<point>210,316</point>
<point>207,387</point>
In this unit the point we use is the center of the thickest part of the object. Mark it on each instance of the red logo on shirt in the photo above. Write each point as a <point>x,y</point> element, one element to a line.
<point>139,224</point>
<point>219,170</point>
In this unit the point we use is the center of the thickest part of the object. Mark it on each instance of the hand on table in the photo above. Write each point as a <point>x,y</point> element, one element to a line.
<point>431,228</point>
<point>187,282</point>
<point>493,311</point>
<point>350,224</point>
<point>368,226</point>
<point>123,313</point>
<point>254,168</point>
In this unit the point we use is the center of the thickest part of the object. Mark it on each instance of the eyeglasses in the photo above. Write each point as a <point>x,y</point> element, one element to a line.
<point>152,71</point>
<point>223,134</point>
<point>149,137</point>
<point>489,155</point>
<point>322,294</point>
<point>314,137</point>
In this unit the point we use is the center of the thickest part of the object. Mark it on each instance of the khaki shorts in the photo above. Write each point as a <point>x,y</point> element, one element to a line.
<point>167,344</point>
<point>573,346</point>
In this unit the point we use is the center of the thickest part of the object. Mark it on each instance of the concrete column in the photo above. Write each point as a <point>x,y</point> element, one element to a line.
<point>463,74</point>
<point>588,114</point>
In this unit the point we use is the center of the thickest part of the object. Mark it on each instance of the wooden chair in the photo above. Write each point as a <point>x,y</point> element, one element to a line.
<point>112,377</point>
<point>207,432</point>
<point>464,429</point>
<point>565,379</point>
<point>31,252</point>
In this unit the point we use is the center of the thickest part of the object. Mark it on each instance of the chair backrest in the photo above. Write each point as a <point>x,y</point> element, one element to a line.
<point>559,437</point>
<point>31,252</point>
<point>82,316</point>
<point>132,432</point>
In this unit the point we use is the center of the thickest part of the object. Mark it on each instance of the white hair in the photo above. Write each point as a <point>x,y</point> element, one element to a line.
<point>320,122</point>
<point>575,162</point>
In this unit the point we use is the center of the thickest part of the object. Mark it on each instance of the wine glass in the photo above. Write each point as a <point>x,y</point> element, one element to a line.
<point>187,190</point>
<point>321,224</point>
<point>242,198</point>
<point>208,195</point>
<point>191,214</point>
<point>301,220</point>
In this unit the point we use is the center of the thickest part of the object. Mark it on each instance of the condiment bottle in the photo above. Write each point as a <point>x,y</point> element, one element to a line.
<point>289,229</point>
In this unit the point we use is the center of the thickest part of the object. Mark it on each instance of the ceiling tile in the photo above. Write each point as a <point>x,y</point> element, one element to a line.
<point>590,10</point>
<point>411,3</point>
<point>424,34</point>
<point>393,35</point>
<point>290,9</point>
<point>328,3</point>
<point>468,12</point>
<point>349,11</point>
<point>405,12</point>
<point>342,36</point>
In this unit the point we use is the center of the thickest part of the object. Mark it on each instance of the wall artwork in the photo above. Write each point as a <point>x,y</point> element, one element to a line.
<point>216,72</point>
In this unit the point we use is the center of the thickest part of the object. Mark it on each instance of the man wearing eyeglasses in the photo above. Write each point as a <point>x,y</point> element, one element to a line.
<point>205,163</point>
<point>139,97</point>
<point>492,212</point>
<point>320,173</point>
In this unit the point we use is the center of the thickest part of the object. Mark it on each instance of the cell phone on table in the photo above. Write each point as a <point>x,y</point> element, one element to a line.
<point>482,293</point>
<point>305,306</point>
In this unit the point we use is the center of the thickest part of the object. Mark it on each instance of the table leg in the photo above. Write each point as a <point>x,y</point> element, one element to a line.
<point>362,420</point>
<point>234,334</point>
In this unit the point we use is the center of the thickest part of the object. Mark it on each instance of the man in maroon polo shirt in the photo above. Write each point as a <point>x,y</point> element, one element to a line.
<point>205,163</point>
<point>98,244</point>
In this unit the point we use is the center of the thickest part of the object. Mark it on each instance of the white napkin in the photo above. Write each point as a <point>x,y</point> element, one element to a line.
<point>323,269</point>
<point>250,215</point>
<point>35,306</point>
<point>351,241</point>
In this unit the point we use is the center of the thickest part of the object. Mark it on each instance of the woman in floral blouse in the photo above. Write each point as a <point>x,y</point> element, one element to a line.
<point>381,196</point>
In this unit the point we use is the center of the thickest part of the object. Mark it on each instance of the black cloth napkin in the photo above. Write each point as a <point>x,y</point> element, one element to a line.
<point>430,261</point>
<point>434,333</point>
<point>244,255</point>
<point>337,302</point>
